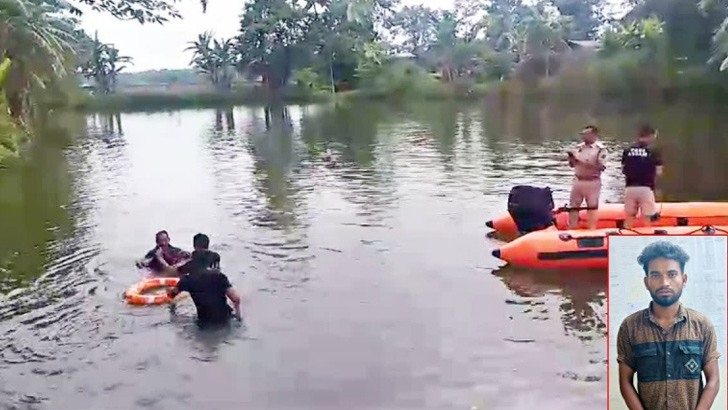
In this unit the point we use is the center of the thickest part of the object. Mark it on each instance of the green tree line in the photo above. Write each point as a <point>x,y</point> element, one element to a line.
<point>365,44</point>
<point>354,43</point>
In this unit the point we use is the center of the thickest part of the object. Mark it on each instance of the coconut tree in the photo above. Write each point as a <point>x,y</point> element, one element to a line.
<point>543,34</point>
<point>116,63</point>
<point>40,40</point>
<point>103,63</point>
<point>215,58</point>
<point>224,58</point>
<point>202,55</point>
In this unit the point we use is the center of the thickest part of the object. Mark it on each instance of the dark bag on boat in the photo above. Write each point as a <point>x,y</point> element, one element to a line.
<point>531,208</point>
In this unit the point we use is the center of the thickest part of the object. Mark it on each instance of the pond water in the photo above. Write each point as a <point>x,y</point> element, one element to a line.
<point>368,280</point>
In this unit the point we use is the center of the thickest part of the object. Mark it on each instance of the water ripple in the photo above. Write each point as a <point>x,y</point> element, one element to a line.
<point>355,237</point>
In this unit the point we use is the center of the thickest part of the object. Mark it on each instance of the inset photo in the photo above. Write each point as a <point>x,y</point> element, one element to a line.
<point>667,304</point>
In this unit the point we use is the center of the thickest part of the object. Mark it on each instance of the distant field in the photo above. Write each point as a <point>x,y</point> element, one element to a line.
<point>176,89</point>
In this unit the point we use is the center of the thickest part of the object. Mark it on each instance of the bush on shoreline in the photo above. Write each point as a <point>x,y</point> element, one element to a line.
<point>598,83</point>
<point>159,100</point>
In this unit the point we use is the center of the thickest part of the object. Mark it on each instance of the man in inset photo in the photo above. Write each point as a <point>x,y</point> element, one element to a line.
<point>668,345</point>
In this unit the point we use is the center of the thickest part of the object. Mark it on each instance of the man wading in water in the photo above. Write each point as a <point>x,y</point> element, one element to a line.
<point>164,257</point>
<point>587,159</point>
<point>208,287</point>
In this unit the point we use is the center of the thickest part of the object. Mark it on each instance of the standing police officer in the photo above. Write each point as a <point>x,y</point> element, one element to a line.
<point>641,165</point>
<point>588,160</point>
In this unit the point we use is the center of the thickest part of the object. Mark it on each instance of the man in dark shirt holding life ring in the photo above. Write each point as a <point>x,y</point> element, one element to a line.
<point>208,287</point>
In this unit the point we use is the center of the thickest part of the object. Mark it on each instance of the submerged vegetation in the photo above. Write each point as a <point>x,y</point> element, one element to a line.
<point>307,49</point>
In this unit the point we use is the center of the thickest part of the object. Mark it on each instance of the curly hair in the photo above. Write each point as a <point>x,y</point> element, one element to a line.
<point>662,249</point>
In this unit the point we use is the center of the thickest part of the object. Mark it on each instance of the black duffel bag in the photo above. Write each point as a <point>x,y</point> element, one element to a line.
<point>531,208</point>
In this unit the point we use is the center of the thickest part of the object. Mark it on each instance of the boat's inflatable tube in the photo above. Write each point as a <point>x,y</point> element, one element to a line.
<point>135,294</point>
<point>612,216</point>
<point>580,249</point>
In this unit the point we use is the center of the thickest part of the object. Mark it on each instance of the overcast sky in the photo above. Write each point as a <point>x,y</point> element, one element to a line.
<point>154,46</point>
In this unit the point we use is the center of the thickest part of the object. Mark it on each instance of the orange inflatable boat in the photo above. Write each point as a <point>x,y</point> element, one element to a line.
<point>612,216</point>
<point>580,249</point>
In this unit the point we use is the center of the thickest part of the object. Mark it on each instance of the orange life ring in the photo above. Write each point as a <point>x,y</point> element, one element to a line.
<point>135,294</point>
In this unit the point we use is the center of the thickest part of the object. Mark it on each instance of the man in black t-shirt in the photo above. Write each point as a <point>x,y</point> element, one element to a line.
<point>641,165</point>
<point>208,287</point>
<point>202,257</point>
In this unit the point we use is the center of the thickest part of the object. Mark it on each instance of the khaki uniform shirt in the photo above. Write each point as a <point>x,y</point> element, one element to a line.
<point>594,154</point>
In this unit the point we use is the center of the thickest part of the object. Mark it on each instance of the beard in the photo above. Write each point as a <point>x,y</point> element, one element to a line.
<point>666,299</point>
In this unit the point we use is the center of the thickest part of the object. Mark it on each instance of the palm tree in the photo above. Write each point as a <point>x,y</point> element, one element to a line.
<point>40,42</point>
<point>215,58</point>
<point>103,63</point>
<point>202,59</point>
<point>543,32</point>
<point>644,37</point>
<point>115,64</point>
<point>224,60</point>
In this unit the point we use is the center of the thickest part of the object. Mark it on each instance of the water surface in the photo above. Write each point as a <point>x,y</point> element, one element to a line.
<point>368,280</point>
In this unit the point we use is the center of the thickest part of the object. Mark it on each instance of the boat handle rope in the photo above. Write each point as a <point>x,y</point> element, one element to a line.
<point>709,229</point>
<point>578,208</point>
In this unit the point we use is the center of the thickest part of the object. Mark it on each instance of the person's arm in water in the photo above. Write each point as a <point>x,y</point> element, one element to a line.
<point>235,298</point>
<point>173,268</point>
<point>143,262</point>
<point>172,292</point>
<point>178,269</point>
<point>232,295</point>
<point>146,260</point>
<point>216,260</point>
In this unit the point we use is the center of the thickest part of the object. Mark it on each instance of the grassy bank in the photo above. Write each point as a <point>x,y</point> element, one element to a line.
<point>151,99</point>
<point>161,100</point>
<point>634,80</point>
<point>600,81</point>
<point>559,89</point>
